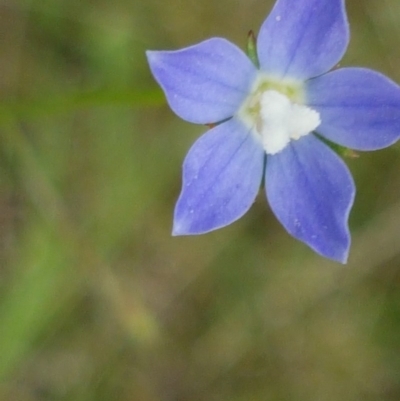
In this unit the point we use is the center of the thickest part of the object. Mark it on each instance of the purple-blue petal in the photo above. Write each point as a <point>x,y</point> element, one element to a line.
<point>359,108</point>
<point>221,178</point>
<point>311,191</point>
<point>303,38</point>
<point>204,83</point>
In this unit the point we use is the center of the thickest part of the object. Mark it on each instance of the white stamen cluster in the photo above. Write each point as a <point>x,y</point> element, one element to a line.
<point>282,120</point>
<point>276,119</point>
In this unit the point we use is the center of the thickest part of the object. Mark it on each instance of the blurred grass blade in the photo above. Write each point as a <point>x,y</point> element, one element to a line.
<point>75,101</point>
<point>41,288</point>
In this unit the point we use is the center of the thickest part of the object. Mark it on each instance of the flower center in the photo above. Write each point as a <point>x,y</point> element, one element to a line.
<point>275,113</point>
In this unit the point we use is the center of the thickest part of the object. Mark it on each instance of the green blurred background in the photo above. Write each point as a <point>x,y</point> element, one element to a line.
<point>98,301</point>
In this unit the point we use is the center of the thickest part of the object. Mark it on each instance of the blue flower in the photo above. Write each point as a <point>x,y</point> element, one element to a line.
<point>275,121</point>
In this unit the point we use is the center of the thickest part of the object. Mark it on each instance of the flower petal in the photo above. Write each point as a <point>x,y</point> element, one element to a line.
<point>301,39</point>
<point>221,178</point>
<point>311,191</point>
<point>204,83</point>
<point>359,108</point>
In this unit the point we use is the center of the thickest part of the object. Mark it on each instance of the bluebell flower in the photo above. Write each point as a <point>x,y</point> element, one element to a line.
<point>275,121</point>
